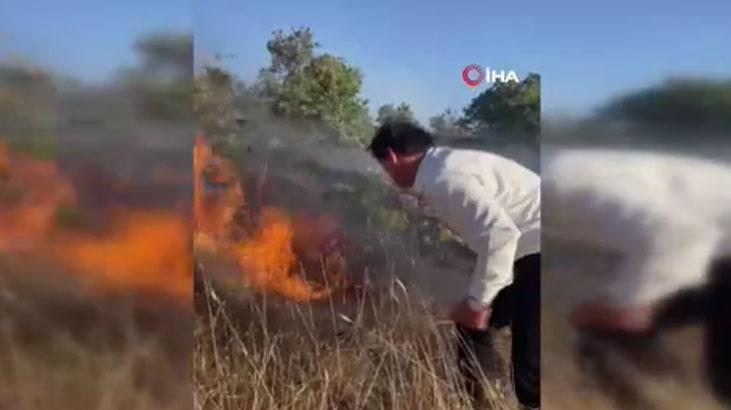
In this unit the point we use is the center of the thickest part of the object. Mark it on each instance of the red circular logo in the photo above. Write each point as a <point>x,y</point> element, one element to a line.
<point>472,75</point>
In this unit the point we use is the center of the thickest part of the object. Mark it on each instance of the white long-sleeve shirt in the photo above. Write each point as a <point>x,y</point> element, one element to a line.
<point>490,202</point>
<point>664,216</point>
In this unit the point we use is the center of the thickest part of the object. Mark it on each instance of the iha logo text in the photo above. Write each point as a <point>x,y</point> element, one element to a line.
<point>474,75</point>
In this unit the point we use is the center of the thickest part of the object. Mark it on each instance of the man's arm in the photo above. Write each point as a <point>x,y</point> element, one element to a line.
<point>464,205</point>
<point>676,255</point>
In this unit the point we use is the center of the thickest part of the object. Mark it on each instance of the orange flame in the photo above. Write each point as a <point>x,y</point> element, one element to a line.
<point>217,196</point>
<point>150,250</point>
<point>4,160</point>
<point>269,262</point>
<point>268,257</point>
<point>31,193</point>
<point>145,250</point>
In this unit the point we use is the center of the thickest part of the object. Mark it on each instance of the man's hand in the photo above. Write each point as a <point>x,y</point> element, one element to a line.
<point>464,315</point>
<point>600,317</point>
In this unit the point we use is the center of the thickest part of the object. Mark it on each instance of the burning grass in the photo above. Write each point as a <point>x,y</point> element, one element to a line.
<point>145,250</point>
<point>94,312</point>
<point>217,196</point>
<point>31,191</point>
<point>270,262</point>
<point>261,243</point>
<point>293,330</point>
<point>137,249</point>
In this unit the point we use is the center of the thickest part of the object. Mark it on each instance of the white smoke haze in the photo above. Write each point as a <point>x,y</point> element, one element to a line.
<point>305,171</point>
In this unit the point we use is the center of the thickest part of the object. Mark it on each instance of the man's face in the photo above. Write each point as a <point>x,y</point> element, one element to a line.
<point>396,169</point>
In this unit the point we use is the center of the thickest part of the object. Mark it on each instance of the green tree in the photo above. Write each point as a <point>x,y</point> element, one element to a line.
<point>326,90</point>
<point>321,89</point>
<point>510,108</point>
<point>213,101</point>
<point>447,125</point>
<point>162,82</point>
<point>389,113</point>
<point>166,54</point>
<point>676,102</point>
<point>290,53</point>
<point>27,99</point>
<point>221,102</point>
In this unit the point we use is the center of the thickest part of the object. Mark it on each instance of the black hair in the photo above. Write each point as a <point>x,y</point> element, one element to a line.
<point>403,138</point>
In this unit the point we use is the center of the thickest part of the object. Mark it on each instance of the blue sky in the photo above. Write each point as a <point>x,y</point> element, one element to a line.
<point>413,51</point>
<point>88,39</point>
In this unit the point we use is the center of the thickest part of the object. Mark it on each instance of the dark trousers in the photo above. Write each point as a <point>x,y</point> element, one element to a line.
<point>708,305</point>
<point>517,305</point>
<point>718,331</point>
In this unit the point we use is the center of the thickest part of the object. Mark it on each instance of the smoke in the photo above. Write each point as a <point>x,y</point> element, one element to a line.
<point>95,181</point>
<point>294,167</point>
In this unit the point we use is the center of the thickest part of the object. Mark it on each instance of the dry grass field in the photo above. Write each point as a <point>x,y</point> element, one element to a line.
<point>607,375</point>
<point>63,347</point>
<point>380,349</point>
